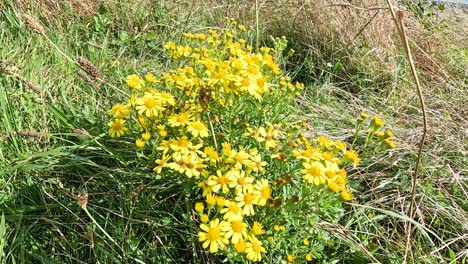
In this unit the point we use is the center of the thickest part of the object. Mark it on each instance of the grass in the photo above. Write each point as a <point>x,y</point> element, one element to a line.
<point>54,148</point>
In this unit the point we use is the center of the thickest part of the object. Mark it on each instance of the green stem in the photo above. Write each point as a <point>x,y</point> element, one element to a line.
<point>256,24</point>
<point>99,226</point>
<point>212,131</point>
<point>356,133</point>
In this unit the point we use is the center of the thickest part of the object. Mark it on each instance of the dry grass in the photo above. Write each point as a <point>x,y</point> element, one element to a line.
<point>52,10</point>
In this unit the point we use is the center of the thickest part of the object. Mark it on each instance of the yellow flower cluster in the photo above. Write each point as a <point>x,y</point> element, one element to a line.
<point>232,197</point>
<point>376,124</point>
<point>179,121</point>
<point>322,159</point>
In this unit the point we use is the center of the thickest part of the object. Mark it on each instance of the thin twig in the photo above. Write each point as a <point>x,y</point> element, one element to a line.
<point>365,25</point>
<point>398,19</point>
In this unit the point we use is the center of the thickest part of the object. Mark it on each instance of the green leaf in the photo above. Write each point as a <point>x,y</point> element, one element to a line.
<point>151,36</point>
<point>2,238</point>
<point>452,254</point>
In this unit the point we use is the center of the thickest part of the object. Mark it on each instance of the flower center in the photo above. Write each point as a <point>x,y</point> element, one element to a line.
<point>237,226</point>
<point>184,143</point>
<point>182,118</point>
<point>315,171</point>
<point>256,246</point>
<point>234,208</point>
<point>214,233</point>
<point>248,198</point>
<point>241,181</point>
<point>150,103</point>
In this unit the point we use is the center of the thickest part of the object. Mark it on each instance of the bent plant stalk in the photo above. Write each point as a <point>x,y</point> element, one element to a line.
<point>398,19</point>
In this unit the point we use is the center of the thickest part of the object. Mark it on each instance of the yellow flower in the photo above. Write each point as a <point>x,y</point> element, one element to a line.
<point>213,235</point>
<point>135,82</point>
<point>389,133</point>
<point>246,201</point>
<point>220,182</point>
<point>262,191</point>
<point>204,218</point>
<point>227,149</point>
<point>291,258</point>
<point>314,173</point>
<point>308,257</point>
<point>119,111</point>
<point>199,207</point>
<point>197,129</point>
<point>149,77</point>
<point>325,142</point>
<point>257,165</point>
<point>165,98</point>
<point>340,145</point>
<point>240,246</point>
<point>346,195</point>
<point>220,201</point>
<point>146,136</point>
<point>308,154</point>
<point>267,138</point>
<point>211,153</point>
<point>188,164</point>
<point>351,155</point>
<point>335,187</point>
<point>254,249</point>
<point>257,229</point>
<point>140,143</point>
<point>377,122</point>
<point>182,145</point>
<point>241,182</point>
<point>181,119</point>
<point>379,133</point>
<point>117,128</point>
<point>236,229</point>
<point>161,163</point>
<point>231,211</point>
<point>240,158</point>
<point>149,105</point>
<point>211,199</point>
<point>279,228</point>
<point>305,242</point>
<point>163,133</point>
<point>390,143</point>
<point>170,45</point>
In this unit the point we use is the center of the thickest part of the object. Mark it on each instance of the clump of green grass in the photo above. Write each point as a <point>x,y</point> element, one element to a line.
<point>53,149</point>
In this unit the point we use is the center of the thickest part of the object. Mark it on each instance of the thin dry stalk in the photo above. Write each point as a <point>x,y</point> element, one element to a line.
<point>398,19</point>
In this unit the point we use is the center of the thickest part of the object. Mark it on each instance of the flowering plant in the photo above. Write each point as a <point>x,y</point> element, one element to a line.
<point>220,121</point>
